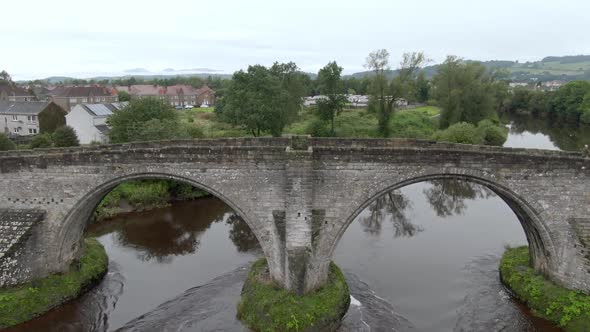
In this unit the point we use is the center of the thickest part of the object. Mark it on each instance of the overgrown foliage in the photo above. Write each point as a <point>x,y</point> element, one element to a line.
<point>263,100</point>
<point>6,144</point>
<point>567,308</point>
<point>266,306</point>
<point>41,141</point>
<point>22,303</point>
<point>65,137</point>
<point>143,195</point>
<point>385,93</point>
<point>147,119</point>
<point>486,132</point>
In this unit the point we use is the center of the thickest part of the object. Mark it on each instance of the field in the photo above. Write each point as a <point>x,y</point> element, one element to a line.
<point>413,123</point>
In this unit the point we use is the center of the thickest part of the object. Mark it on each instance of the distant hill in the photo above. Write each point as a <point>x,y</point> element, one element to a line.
<point>567,68</point>
<point>61,79</point>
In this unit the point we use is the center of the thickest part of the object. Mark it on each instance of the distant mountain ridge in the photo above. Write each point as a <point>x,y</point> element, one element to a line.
<point>567,68</point>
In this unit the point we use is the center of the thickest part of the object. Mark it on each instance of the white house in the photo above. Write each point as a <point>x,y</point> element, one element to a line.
<point>90,121</point>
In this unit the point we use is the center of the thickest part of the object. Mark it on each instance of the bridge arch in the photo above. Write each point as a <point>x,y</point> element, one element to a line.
<point>75,222</point>
<point>530,214</point>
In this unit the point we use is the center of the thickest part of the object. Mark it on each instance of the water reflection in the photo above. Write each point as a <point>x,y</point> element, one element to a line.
<point>159,235</point>
<point>393,206</point>
<point>534,133</point>
<point>447,197</point>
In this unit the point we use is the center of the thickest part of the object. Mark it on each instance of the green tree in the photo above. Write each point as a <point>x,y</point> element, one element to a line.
<point>263,100</point>
<point>124,96</point>
<point>5,78</point>
<point>330,85</point>
<point>421,88</point>
<point>464,91</point>
<point>65,137</point>
<point>141,115</point>
<point>6,144</point>
<point>384,93</point>
<point>41,141</point>
<point>568,100</point>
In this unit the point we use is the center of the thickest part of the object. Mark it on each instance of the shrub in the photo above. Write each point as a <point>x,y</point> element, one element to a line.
<point>41,141</point>
<point>461,132</point>
<point>65,136</point>
<point>492,134</point>
<point>22,303</point>
<point>318,128</point>
<point>585,118</point>
<point>569,309</point>
<point>6,144</point>
<point>266,306</point>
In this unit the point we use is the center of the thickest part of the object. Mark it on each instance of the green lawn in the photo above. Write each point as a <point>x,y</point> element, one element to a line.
<point>411,123</point>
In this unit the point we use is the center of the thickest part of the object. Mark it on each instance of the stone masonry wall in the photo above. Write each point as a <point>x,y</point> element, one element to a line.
<point>300,195</point>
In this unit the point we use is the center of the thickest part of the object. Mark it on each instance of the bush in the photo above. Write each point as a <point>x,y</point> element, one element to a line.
<point>492,134</point>
<point>461,132</point>
<point>266,306</point>
<point>41,141</point>
<point>65,136</point>
<point>6,144</point>
<point>585,118</point>
<point>24,302</point>
<point>569,309</point>
<point>318,128</point>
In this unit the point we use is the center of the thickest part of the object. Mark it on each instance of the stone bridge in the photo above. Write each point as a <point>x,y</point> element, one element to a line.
<point>298,195</point>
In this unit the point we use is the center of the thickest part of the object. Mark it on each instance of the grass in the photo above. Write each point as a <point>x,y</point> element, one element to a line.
<point>567,308</point>
<point>22,303</point>
<point>267,307</point>
<point>411,123</point>
<point>144,195</point>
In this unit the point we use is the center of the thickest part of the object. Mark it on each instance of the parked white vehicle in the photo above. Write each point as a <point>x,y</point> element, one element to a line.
<point>188,107</point>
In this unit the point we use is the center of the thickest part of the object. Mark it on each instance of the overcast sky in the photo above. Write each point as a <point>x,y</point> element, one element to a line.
<point>87,38</point>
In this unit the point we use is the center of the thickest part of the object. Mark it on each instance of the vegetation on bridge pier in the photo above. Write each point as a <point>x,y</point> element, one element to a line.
<point>567,308</point>
<point>266,306</point>
<point>22,303</point>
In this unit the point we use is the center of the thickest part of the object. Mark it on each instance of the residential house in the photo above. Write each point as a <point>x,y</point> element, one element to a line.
<point>20,118</point>
<point>10,92</point>
<point>175,95</point>
<point>70,96</point>
<point>90,121</point>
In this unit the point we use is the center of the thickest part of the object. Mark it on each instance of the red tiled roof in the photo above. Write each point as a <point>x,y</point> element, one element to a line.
<point>82,91</point>
<point>157,90</point>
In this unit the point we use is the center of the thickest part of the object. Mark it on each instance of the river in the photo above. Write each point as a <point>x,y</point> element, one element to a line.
<point>424,258</point>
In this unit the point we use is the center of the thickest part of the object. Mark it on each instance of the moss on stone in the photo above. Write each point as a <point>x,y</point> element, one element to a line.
<point>265,306</point>
<point>22,303</point>
<point>567,308</point>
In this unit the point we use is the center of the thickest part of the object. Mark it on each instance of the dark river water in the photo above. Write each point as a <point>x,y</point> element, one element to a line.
<point>424,258</point>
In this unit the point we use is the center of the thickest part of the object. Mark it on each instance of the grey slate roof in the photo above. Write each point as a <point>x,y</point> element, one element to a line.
<point>104,109</point>
<point>15,225</point>
<point>22,107</point>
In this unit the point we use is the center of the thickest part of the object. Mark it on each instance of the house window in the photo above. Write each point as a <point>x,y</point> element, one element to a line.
<point>16,130</point>
<point>14,117</point>
<point>32,131</point>
<point>32,118</point>
<point>73,100</point>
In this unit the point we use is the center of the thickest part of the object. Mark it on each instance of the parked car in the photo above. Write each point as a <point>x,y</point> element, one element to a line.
<point>178,107</point>
<point>188,107</point>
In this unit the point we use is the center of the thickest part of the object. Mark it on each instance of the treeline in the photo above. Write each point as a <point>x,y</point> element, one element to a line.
<point>571,103</point>
<point>266,100</point>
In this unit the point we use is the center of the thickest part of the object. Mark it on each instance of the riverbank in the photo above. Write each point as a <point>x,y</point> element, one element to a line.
<point>142,195</point>
<point>22,303</point>
<point>567,308</point>
<point>268,307</point>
